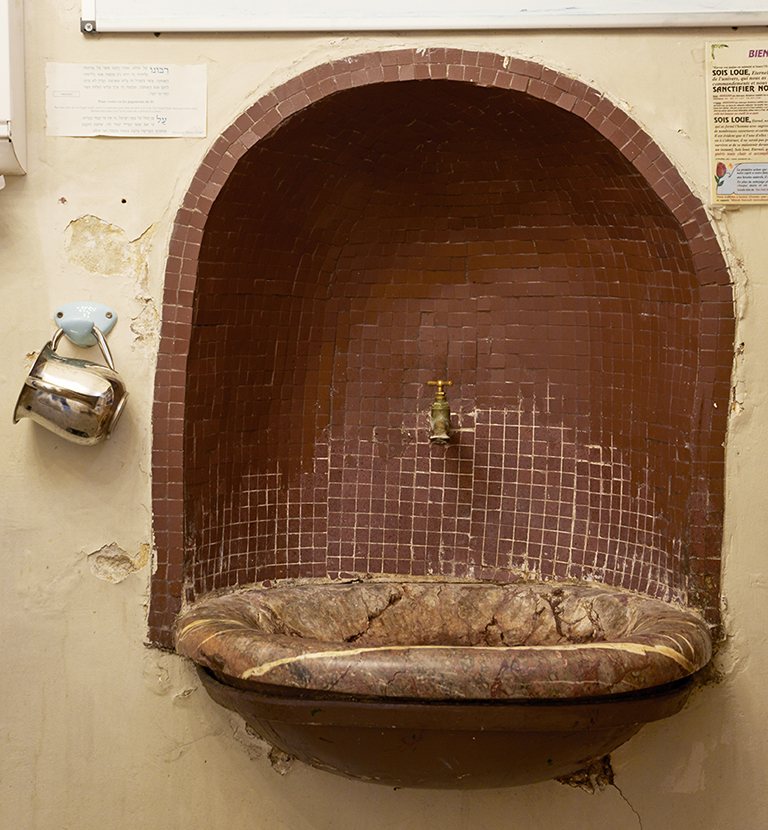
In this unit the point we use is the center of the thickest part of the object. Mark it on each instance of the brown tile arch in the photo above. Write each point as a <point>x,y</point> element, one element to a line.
<point>713,328</point>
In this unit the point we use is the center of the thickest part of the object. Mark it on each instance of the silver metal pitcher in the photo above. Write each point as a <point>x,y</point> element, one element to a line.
<point>78,400</point>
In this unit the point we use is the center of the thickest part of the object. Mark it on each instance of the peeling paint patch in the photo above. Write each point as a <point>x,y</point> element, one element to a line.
<point>739,386</point>
<point>102,248</point>
<point>596,775</point>
<point>254,745</point>
<point>146,324</point>
<point>280,761</point>
<point>157,678</point>
<point>182,696</point>
<point>112,564</point>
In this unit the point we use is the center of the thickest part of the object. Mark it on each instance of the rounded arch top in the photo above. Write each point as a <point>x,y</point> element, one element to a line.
<point>480,68</point>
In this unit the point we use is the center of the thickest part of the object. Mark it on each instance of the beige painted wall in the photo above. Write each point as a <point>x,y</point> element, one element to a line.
<point>97,732</point>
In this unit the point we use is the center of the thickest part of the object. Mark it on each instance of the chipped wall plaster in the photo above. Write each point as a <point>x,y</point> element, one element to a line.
<point>104,249</point>
<point>112,564</point>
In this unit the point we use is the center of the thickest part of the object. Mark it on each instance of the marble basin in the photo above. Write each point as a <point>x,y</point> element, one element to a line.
<point>445,684</point>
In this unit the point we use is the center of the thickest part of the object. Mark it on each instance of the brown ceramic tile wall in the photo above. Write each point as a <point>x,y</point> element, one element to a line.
<point>395,233</point>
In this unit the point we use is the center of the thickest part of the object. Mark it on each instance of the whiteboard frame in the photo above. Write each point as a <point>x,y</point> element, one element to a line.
<point>98,16</point>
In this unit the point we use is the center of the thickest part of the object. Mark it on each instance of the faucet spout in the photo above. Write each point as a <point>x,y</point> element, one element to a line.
<point>440,414</point>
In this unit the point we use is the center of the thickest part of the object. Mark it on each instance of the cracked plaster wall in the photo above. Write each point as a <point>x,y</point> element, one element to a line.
<point>87,708</point>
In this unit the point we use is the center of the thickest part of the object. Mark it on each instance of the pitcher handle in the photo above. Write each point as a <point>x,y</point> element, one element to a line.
<point>100,339</point>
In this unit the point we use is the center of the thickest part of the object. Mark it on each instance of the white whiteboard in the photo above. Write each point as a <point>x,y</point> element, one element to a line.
<point>12,105</point>
<point>410,15</point>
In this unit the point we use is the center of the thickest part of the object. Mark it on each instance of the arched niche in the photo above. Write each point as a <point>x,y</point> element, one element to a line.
<point>397,217</point>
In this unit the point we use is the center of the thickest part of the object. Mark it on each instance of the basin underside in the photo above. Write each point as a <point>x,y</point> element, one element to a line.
<point>446,745</point>
<point>445,684</point>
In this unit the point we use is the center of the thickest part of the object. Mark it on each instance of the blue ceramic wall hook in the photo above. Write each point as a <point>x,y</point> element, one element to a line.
<point>77,320</point>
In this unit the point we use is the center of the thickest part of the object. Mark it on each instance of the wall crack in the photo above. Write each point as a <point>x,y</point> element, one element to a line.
<point>595,777</point>
<point>624,798</point>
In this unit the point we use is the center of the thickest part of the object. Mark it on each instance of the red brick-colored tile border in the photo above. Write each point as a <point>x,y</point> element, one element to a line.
<point>716,327</point>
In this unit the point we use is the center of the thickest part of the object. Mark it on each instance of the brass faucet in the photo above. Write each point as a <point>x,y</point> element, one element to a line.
<point>440,414</point>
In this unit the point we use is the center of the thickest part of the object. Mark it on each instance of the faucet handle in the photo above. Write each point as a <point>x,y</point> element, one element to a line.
<point>439,384</point>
